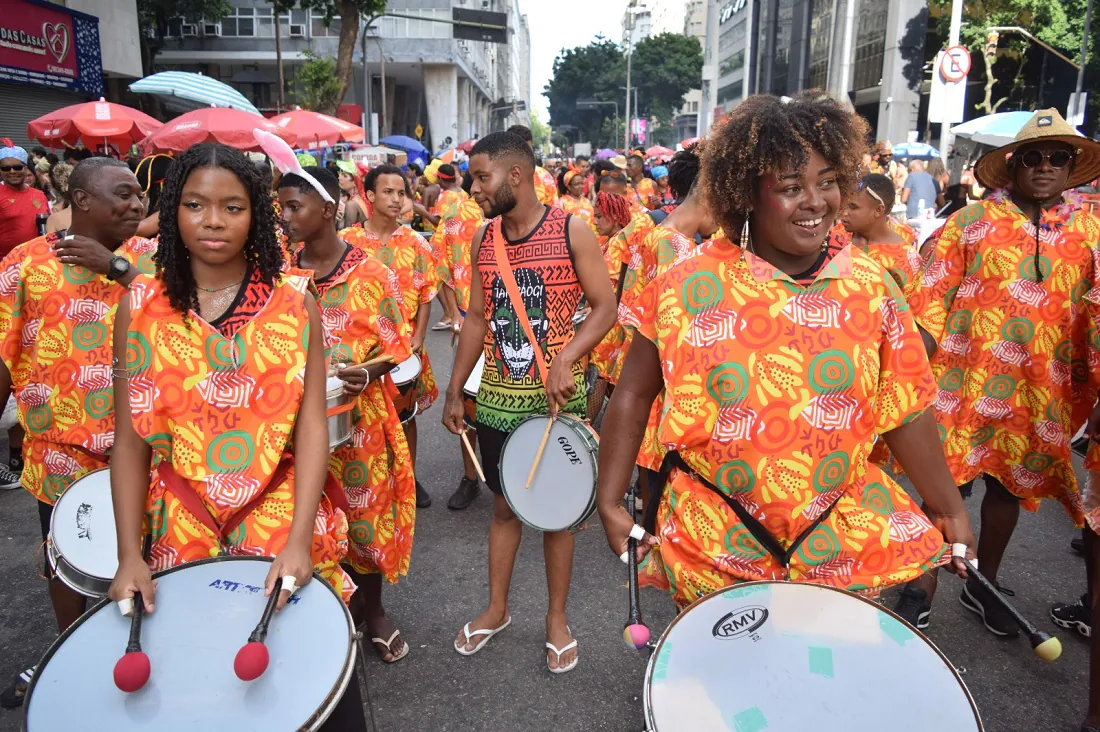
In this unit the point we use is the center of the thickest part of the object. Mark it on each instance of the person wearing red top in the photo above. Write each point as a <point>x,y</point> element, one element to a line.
<point>20,203</point>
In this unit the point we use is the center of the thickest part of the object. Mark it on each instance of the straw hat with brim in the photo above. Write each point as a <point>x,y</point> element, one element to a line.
<point>1045,125</point>
<point>619,161</point>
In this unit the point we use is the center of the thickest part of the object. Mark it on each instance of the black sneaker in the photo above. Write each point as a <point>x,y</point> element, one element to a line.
<point>423,500</point>
<point>468,489</point>
<point>9,480</point>
<point>996,619</point>
<point>914,608</point>
<point>12,697</point>
<point>1076,615</point>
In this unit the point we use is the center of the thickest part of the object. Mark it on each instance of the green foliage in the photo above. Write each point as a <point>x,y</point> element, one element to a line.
<point>318,88</point>
<point>540,131</point>
<point>665,68</point>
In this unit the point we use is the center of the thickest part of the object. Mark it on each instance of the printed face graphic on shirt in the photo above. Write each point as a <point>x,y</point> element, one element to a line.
<point>512,346</point>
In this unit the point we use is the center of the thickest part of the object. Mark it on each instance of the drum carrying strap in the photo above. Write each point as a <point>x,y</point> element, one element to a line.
<point>510,286</point>
<point>674,460</point>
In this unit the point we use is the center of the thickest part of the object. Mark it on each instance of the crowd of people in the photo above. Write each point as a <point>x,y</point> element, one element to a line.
<point>762,331</point>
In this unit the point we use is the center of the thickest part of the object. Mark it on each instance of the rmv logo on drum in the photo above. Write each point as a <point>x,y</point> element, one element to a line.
<point>574,458</point>
<point>741,622</point>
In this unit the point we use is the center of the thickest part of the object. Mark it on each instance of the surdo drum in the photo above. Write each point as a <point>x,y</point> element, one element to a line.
<point>404,377</point>
<point>786,656</point>
<point>83,548</point>
<point>563,493</point>
<point>204,613</point>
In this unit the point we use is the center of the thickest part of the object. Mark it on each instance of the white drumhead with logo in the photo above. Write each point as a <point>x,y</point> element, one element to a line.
<point>406,371</point>
<point>82,534</point>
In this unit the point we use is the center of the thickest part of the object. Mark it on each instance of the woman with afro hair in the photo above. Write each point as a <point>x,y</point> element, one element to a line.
<point>783,355</point>
<point>238,470</point>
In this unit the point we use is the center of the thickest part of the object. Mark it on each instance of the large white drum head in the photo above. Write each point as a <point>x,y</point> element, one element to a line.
<point>784,656</point>
<point>406,371</point>
<point>83,526</point>
<point>473,381</point>
<point>562,493</point>
<point>205,612</point>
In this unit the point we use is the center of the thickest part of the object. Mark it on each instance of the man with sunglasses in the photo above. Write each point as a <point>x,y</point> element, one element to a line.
<point>20,203</point>
<point>1005,313</point>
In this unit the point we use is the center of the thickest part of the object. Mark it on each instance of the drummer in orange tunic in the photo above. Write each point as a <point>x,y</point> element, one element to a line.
<point>446,206</point>
<point>58,299</point>
<point>781,357</point>
<point>359,301</point>
<point>867,219</point>
<point>410,257</point>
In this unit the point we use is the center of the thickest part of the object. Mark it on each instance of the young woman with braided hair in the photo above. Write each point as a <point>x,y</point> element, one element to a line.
<point>781,356</point>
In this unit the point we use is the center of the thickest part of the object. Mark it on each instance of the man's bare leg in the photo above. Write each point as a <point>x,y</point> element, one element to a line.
<point>557,548</point>
<point>505,532</point>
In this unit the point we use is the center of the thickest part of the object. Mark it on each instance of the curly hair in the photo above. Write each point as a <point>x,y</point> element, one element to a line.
<point>172,259</point>
<point>614,207</point>
<point>764,134</point>
<point>683,170</point>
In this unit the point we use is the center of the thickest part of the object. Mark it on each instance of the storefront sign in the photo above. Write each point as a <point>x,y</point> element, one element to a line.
<point>49,45</point>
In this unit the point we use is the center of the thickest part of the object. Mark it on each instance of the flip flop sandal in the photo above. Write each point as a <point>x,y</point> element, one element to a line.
<point>16,692</point>
<point>395,656</point>
<point>441,325</point>
<point>481,644</point>
<point>568,647</point>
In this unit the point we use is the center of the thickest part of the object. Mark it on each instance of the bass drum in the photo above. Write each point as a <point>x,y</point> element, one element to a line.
<point>786,656</point>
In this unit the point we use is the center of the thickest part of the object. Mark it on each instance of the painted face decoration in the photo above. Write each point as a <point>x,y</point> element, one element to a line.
<point>512,346</point>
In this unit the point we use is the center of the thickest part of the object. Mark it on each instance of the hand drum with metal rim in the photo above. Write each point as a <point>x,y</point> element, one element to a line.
<point>204,613</point>
<point>83,547</point>
<point>786,656</point>
<point>406,372</point>
<point>563,493</point>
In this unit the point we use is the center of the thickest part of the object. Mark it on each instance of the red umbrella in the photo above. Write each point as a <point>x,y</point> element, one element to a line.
<point>94,123</point>
<point>467,146</point>
<point>688,142</point>
<point>658,152</point>
<point>315,130</point>
<point>231,127</point>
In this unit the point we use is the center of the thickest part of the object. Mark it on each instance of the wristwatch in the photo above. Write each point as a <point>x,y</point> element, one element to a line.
<point>118,268</point>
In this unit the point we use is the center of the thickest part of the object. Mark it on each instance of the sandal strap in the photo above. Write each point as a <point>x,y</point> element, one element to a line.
<point>484,631</point>
<point>387,643</point>
<point>568,647</point>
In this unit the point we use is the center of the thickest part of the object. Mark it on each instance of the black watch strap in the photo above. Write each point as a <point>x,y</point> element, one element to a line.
<point>116,270</point>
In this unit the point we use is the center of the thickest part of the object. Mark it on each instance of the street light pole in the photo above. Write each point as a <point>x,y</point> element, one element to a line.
<point>1080,110</point>
<point>629,55</point>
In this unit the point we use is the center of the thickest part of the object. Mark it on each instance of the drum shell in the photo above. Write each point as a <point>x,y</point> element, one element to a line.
<point>339,424</point>
<point>87,584</point>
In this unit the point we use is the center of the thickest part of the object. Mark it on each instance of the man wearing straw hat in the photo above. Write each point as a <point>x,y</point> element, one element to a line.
<point>1002,307</point>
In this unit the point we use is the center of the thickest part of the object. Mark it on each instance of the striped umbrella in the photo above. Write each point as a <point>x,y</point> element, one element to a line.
<point>202,90</point>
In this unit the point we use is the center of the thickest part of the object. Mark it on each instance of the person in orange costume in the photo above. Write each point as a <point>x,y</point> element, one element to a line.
<point>867,219</point>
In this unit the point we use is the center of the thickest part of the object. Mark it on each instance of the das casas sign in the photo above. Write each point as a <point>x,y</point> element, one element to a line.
<point>49,45</point>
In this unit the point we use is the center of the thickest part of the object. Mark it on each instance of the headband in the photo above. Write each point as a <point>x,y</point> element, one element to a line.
<point>569,176</point>
<point>285,160</point>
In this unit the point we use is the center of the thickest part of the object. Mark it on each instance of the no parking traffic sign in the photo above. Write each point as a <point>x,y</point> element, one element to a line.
<point>955,64</point>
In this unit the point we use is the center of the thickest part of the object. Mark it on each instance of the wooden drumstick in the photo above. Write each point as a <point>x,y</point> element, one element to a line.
<point>470,450</point>
<point>367,364</point>
<point>538,455</point>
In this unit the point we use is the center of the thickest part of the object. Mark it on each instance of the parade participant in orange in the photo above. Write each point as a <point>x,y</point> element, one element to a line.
<point>58,298</point>
<point>867,219</point>
<point>660,177</point>
<point>572,200</point>
<point>410,257</point>
<point>359,301</point>
<point>782,358</point>
<point>450,196</point>
<point>545,187</point>
<point>1004,310</point>
<point>559,260</point>
<point>643,191</point>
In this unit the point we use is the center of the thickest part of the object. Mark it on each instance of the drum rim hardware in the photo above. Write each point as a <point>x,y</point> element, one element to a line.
<point>75,578</point>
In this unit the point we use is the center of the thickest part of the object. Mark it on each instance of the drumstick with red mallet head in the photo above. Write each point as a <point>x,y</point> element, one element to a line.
<point>251,661</point>
<point>132,670</point>
<point>635,633</point>
<point>1045,645</point>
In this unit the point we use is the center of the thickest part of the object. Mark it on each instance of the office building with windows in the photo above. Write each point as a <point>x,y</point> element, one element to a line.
<point>409,71</point>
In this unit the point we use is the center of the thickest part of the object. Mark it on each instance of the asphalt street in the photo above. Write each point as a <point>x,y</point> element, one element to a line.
<point>507,687</point>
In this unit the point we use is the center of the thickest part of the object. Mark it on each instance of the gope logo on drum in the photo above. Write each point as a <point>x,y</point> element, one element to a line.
<point>574,458</point>
<point>741,622</point>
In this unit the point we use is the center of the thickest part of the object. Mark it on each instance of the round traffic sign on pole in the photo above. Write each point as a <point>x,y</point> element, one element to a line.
<point>955,64</point>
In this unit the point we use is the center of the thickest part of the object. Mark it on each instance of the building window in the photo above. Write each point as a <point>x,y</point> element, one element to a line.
<point>240,23</point>
<point>318,29</point>
<point>265,23</point>
<point>695,106</point>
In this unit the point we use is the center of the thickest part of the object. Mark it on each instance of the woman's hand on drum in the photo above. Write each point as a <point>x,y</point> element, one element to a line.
<point>355,380</point>
<point>293,561</point>
<point>618,524</point>
<point>454,414</point>
<point>956,529</point>
<point>560,386</point>
<point>133,577</point>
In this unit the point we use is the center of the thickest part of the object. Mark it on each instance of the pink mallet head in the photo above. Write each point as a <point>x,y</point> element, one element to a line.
<point>251,661</point>
<point>636,636</point>
<point>132,671</point>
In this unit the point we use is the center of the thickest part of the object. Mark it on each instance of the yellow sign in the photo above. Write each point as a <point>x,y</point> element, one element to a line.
<point>419,131</point>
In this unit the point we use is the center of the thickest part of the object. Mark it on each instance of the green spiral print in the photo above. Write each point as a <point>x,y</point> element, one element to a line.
<point>237,535</point>
<point>385,256</point>
<point>1000,387</point>
<point>54,485</point>
<point>741,542</point>
<point>1037,462</point>
<point>77,275</point>
<point>230,451</point>
<point>219,352</point>
<point>39,419</point>
<point>99,404</point>
<point>361,532</point>
<point>1027,268</point>
<point>1018,330</point>
<point>981,435</point>
<point>156,513</point>
<point>87,336</point>
<point>701,291</point>
<point>819,547</point>
<point>728,382</point>
<point>958,322</point>
<point>831,371</point>
<point>831,471</point>
<point>335,295</point>
<point>354,474</point>
<point>139,354</point>
<point>390,309</point>
<point>160,443</point>
<point>340,353</point>
<point>736,476</point>
<point>877,498</point>
<point>952,380</point>
<point>1063,352</point>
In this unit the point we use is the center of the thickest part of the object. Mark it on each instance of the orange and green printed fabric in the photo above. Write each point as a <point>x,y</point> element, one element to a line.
<point>625,246</point>
<point>446,208</point>
<point>1016,360</point>
<point>458,223</point>
<point>645,195</point>
<point>580,207</point>
<point>775,393</point>
<point>221,411</point>
<point>902,262</point>
<point>546,189</point>
<point>57,325</point>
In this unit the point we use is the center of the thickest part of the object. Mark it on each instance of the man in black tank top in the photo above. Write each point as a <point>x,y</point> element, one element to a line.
<point>554,259</point>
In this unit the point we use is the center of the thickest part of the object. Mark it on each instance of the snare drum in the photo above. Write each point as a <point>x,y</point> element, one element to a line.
<point>82,547</point>
<point>563,494</point>
<point>205,613</point>
<point>338,404</point>
<point>786,656</point>
<point>471,388</point>
<point>405,375</point>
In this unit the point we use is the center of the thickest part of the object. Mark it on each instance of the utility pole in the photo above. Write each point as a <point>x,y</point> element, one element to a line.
<point>1080,111</point>
<point>629,54</point>
<point>956,31</point>
<point>279,55</point>
<point>366,86</point>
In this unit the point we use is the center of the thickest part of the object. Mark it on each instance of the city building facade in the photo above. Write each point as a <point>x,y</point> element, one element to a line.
<point>688,121</point>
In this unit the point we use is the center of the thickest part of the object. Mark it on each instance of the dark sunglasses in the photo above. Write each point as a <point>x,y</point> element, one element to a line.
<point>12,168</point>
<point>1034,158</point>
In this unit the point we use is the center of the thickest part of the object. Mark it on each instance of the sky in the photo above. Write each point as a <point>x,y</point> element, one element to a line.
<point>561,24</point>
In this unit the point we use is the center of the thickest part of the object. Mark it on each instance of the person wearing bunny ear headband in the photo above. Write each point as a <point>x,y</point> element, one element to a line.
<point>409,255</point>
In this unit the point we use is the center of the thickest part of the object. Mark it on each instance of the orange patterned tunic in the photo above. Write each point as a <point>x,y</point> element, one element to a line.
<point>458,224</point>
<point>645,195</point>
<point>774,393</point>
<point>546,189</point>
<point>580,207</point>
<point>624,247</point>
<point>57,325</point>
<point>409,255</point>
<point>446,208</point>
<point>221,412</point>
<point>902,262</point>
<point>362,319</point>
<point>1016,363</point>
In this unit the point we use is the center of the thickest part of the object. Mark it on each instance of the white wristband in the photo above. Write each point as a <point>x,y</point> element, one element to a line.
<point>637,533</point>
<point>624,557</point>
<point>958,549</point>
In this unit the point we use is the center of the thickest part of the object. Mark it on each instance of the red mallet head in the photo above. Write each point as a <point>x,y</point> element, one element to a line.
<point>636,636</point>
<point>132,671</point>
<point>251,661</point>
